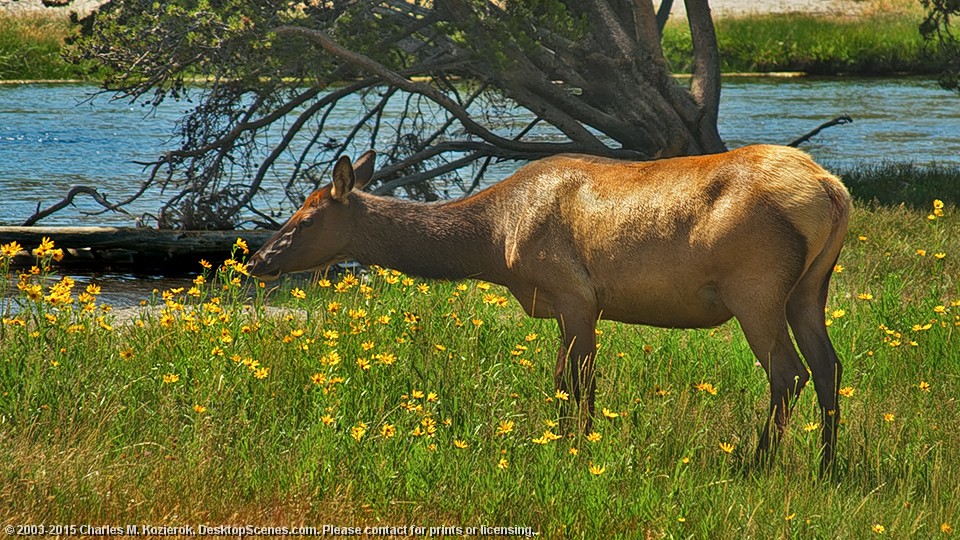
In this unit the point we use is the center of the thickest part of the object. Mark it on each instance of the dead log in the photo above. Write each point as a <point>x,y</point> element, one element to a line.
<point>133,249</point>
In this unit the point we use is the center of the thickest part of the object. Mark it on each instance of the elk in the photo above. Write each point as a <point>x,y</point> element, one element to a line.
<point>753,233</point>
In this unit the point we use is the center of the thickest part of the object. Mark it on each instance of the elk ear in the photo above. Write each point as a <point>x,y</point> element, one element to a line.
<point>363,168</point>
<point>343,179</point>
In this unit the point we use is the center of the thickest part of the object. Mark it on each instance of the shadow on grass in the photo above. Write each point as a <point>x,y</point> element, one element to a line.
<point>892,184</point>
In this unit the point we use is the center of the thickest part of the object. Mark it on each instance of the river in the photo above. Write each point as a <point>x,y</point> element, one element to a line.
<point>52,137</point>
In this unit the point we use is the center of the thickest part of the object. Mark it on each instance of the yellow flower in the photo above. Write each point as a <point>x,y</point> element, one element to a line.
<point>387,431</point>
<point>837,313</point>
<point>561,395</point>
<point>386,359</point>
<point>505,426</point>
<point>297,292</point>
<point>945,528</point>
<point>573,451</point>
<point>924,386</point>
<point>727,447</point>
<point>610,414</point>
<point>439,347</point>
<point>706,387</point>
<point>432,397</point>
<point>460,443</point>
<point>865,296</point>
<point>45,246</point>
<point>126,354</point>
<point>241,244</point>
<point>326,419</point>
<point>206,264</point>
<point>531,337</point>
<point>846,391</point>
<point>324,283</point>
<point>838,268</point>
<point>332,358</point>
<point>862,238</point>
<point>10,250</point>
<point>503,463</point>
<point>199,409</point>
<point>596,470</point>
<point>363,363</point>
<point>423,288</point>
<point>922,252</point>
<point>261,373</point>
<point>940,309</point>
<point>810,426</point>
<point>358,431</point>
<point>879,529</point>
<point>417,394</point>
<point>939,255</point>
<point>93,289</point>
<point>170,378</point>
<point>594,437</point>
<point>889,417</point>
<point>685,460</point>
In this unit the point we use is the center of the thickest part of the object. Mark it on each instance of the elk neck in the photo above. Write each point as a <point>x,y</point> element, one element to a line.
<point>446,240</point>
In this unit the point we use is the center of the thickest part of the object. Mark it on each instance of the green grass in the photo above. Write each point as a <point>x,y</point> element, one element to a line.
<point>30,48</point>
<point>895,183</point>
<point>818,45</point>
<point>90,432</point>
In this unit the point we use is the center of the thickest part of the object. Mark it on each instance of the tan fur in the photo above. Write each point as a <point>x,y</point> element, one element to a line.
<point>685,242</point>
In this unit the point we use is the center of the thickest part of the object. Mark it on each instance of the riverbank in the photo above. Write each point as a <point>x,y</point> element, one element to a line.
<point>822,42</point>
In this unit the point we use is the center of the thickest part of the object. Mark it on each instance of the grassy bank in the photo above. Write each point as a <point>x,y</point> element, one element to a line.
<point>876,44</point>
<point>30,48</point>
<point>870,45</point>
<point>388,401</point>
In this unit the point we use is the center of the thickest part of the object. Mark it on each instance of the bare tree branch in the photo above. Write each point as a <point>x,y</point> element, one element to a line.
<point>68,200</point>
<point>838,121</point>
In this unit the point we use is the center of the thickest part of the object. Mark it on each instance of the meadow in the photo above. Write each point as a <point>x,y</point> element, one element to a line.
<point>383,400</point>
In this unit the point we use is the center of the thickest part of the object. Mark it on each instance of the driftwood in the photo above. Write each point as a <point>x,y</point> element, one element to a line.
<point>838,121</point>
<point>135,249</point>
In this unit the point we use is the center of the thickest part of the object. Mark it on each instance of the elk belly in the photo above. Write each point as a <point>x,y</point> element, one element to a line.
<point>667,305</point>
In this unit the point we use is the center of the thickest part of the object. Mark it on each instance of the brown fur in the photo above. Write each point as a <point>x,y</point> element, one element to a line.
<point>687,242</point>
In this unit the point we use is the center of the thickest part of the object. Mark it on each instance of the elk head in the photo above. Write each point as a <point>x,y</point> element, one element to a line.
<point>318,234</point>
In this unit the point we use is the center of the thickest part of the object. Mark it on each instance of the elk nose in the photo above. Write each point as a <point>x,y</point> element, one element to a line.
<point>260,270</point>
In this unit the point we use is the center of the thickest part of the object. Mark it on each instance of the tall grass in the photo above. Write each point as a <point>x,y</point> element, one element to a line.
<point>820,45</point>
<point>30,48</point>
<point>382,400</point>
<point>907,183</point>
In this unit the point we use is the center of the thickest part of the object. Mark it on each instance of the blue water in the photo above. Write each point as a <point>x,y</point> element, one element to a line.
<point>53,137</point>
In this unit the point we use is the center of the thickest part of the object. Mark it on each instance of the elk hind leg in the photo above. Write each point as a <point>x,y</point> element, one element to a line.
<point>805,313</point>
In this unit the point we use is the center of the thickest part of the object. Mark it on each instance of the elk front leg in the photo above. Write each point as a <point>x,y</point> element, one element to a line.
<point>575,364</point>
